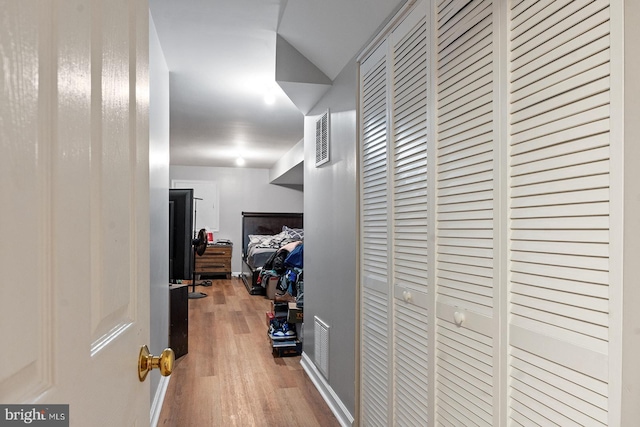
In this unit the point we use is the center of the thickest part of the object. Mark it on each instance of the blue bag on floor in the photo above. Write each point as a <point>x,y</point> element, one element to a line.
<point>295,258</point>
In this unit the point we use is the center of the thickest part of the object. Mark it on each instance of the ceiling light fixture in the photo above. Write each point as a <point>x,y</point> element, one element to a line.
<point>270,93</point>
<point>270,98</point>
<point>240,161</point>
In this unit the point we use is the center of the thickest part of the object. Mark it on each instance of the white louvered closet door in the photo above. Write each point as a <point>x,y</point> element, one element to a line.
<point>559,174</point>
<point>501,225</point>
<point>410,214</point>
<point>465,214</point>
<point>374,211</point>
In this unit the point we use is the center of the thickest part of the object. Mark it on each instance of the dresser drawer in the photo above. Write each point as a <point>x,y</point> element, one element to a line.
<point>217,251</point>
<point>213,264</point>
<point>215,260</point>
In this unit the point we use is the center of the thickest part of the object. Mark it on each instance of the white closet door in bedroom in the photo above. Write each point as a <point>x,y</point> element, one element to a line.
<point>560,192</point>
<point>394,301</point>
<point>465,293</point>
<point>374,264</point>
<point>409,225</point>
<point>491,289</point>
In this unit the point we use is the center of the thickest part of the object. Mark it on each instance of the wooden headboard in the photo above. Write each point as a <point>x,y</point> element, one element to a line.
<point>267,223</point>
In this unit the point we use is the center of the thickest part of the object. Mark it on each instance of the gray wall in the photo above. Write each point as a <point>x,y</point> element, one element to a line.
<point>241,189</point>
<point>330,206</point>
<point>158,198</point>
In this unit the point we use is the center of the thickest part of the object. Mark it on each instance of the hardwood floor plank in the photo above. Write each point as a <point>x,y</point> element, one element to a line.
<point>230,376</point>
<point>218,296</point>
<point>239,324</point>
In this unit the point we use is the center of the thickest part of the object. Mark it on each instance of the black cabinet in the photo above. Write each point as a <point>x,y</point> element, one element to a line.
<point>179,319</point>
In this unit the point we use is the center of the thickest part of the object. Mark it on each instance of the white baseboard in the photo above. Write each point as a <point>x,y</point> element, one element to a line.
<point>158,400</point>
<point>335,404</point>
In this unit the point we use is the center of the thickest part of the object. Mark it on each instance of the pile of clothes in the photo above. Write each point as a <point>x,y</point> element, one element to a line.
<point>287,265</point>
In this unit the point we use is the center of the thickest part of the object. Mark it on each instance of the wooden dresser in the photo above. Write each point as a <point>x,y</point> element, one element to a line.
<point>216,260</point>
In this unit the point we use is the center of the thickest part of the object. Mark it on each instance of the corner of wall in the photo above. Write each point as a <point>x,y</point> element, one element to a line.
<point>288,170</point>
<point>345,418</point>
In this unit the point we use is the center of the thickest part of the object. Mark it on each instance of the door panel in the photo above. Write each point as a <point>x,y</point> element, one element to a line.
<point>465,214</point>
<point>374,273</point>
<point>25,260</point>
<point>409,227</point>
<point>112,148</point>
<point>75,143</point>
<point>559,251</point>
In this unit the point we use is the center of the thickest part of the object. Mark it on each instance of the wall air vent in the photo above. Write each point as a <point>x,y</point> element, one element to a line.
<point>322,139</point>
<point>321,341</point>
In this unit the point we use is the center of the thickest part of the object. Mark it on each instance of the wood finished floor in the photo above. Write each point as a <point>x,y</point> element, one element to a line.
<point>230,377</point>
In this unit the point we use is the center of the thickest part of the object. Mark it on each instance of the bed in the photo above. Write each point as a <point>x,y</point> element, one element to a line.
<point>262,233</point>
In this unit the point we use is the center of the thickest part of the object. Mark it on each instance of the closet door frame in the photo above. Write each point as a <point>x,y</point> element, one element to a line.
<point>626,104</point>
<point>624,344</point>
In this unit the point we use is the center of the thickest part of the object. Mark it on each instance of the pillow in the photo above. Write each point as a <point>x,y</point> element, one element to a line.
<point>293,233</point>
<point>258,238</point>
<point>278,240</point>
<point>262,241</point>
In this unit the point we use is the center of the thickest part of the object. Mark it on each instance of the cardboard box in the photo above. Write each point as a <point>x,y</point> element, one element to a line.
<point>270,317</point>
<point>271,287</point>
<point>296,315</point>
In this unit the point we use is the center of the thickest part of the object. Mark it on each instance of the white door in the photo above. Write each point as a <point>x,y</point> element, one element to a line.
<point>374,263</point>
<point>74,220</point>
<point>563,216</point>
<point>394,264</point>
<point>467,284</point>
<point>409,222</point>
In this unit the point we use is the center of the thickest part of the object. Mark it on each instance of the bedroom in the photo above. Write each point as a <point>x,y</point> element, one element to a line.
<point>329,202</point>
<point>239,190</point>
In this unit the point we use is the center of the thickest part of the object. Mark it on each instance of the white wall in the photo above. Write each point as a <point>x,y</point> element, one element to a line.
<point>158,198</point>
<point>330,204</point>
<point>241,190</point>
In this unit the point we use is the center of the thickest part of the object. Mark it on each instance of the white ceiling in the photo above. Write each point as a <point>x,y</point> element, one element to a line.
<point>221,58</point>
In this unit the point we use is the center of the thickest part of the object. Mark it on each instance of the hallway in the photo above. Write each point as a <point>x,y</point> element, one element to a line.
<point>230,377</point>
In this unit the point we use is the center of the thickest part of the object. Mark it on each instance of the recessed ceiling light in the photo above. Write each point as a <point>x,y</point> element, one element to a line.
<point>240,161</point>
<point>270,99</point>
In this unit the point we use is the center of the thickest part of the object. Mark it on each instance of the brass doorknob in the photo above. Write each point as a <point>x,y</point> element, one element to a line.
<point>147,362</point>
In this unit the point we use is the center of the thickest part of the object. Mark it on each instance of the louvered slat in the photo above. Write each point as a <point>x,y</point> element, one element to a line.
<point>411,365</point>
<point>374,363</point>
<point>374,208</point>
<point>559,212</point>
<point>464,358</point>
<point>464,379</point>
<point>410,159</point>
<point>374,173</point>
<point>468,169</point>
<point>410,214</point>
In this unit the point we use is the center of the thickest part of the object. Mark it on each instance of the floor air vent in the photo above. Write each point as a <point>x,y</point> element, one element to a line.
<point>321,333</point>
<point>322,139</point>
